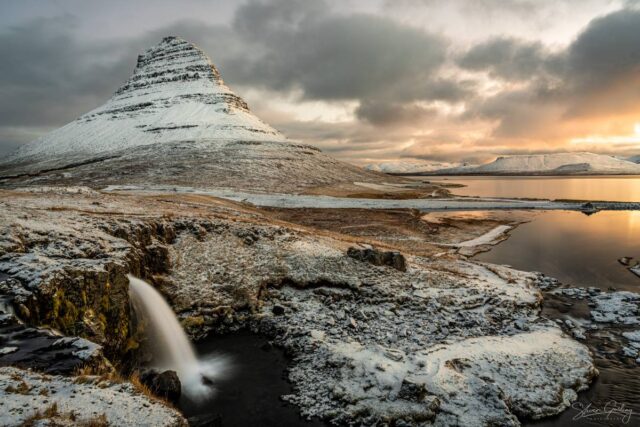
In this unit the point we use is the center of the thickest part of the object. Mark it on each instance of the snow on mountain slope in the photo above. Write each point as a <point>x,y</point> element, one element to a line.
<point>175,122</point>
<point>633,159</point>
<point>409,166</point>
<point>174,94</point>
<point>558,163</point>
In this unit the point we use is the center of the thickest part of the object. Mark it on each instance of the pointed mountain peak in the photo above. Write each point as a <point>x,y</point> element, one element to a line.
<point>175,94</point>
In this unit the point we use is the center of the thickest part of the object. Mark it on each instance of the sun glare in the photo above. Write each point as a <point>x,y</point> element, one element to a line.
<point>637,128</point>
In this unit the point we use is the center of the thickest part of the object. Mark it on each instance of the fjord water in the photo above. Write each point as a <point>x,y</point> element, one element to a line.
<point>580,251</point>
<point>577,249</point>
<point>604,188</point>
<point>169,343</point>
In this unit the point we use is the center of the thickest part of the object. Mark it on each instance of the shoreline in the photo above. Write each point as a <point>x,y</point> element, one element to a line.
<point>428,204</point>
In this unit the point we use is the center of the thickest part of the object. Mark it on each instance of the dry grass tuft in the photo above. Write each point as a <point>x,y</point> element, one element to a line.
<point>22,388</point>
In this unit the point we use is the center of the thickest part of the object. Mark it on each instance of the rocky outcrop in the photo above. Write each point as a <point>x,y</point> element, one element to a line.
<point>376,257</point>
<point>43,350</point>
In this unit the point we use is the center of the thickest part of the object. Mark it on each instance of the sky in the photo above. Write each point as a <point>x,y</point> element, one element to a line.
<point>366,81</point>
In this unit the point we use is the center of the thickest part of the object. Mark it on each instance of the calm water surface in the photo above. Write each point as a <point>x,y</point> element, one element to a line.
<point>618,189</point>
<point>576,249</point>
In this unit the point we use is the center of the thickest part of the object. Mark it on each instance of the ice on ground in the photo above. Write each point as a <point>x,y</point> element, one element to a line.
<point>486,239</point>
<point>22,393</point>
<point>617,307</point>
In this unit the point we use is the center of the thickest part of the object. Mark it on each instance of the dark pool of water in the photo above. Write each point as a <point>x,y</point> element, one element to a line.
<point>576,249</point>
<point>250,394</point>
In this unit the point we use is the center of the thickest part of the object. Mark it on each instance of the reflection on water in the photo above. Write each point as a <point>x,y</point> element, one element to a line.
<point>618,189</point>
<point>576,249</point>
<point>582,251</point>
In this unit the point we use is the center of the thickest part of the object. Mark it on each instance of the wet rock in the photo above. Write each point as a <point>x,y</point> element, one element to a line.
<point>625,260</point>
<point>163,384</point>
<point>411,391</point>
<point>41,350</point>
<point>278,310</point>
<point>376,257</point>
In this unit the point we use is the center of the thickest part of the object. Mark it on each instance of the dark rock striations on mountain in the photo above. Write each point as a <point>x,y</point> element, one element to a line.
<point>174,122</point>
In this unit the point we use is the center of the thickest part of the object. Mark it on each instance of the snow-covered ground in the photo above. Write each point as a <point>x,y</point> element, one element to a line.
<point>430,204</point>
<point>24,393</point>
<point>448,340</point>
<point>557,164</point>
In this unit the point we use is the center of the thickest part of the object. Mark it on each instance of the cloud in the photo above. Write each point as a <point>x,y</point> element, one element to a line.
<point>409,91</point>
<point>510,59</point>
<point>546,92</point>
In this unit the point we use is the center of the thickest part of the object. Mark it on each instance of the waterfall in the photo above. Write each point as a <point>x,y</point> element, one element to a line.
<point>170,346</point>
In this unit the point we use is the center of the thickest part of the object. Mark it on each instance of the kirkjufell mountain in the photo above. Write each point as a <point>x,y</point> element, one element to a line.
<point>175,122</point>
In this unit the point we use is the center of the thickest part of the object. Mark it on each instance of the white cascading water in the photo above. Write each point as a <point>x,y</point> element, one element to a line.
<point>169,343</point>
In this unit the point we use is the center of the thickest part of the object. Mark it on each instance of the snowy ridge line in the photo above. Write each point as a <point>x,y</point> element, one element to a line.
<point>174,94</point>
<point>548,164</point>
<point>276,200</point>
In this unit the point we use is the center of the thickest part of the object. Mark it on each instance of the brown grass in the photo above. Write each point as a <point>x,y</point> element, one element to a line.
<point>50,411</point>
<point>85,376</point>
<point>21,388</point>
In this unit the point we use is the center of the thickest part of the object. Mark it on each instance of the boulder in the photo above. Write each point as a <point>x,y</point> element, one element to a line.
<point>164,384</point>
<point>376,257</point>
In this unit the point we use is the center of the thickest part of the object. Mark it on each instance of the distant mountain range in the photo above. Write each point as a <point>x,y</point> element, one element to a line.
<point>410,166</point>
<point>534,164</point>
<point>175,122</point>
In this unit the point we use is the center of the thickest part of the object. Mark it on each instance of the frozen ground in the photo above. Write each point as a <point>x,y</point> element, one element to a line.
<point>82,400</point>
<point>446,342</point>
<point>431,204</point>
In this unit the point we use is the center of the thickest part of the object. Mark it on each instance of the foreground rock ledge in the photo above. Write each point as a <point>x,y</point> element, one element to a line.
<point>26,395</point>
<point>446,342</point>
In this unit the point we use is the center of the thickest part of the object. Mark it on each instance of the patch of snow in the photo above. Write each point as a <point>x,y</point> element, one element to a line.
<point>488,238</point>
<point>617,307</point>
<point>120,403</point>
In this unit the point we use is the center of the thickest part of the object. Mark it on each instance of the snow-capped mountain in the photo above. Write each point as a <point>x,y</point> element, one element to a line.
<point>634,159</point>
<point>551,164</point>
<point>174,94</point>
<point>409,166</point>
<point>175,122</point>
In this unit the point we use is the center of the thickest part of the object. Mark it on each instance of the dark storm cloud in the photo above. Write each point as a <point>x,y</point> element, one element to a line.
<point>383,113</point>
<point>371,59</point>
<point>330,56</point>
<point>510,59</point>
<point>603,65</point>
<point>598,73</point>
<point>45,71</point>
